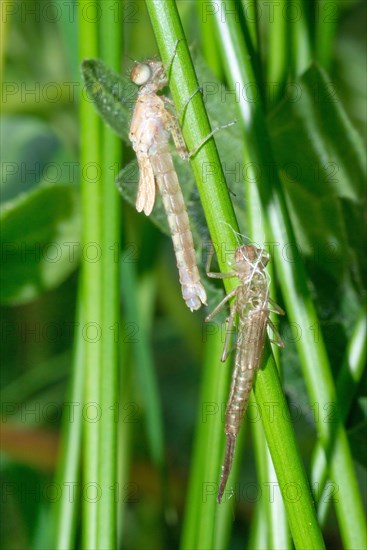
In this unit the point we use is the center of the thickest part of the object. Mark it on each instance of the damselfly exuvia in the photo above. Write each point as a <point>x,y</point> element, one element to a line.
<point>252,305</point>
<point>150,129</point>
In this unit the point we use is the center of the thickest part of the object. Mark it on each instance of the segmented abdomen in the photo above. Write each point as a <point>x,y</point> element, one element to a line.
<point>250,343</point>
<point>192,290</point>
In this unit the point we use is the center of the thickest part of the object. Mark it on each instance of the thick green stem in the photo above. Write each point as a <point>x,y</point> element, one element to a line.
<point>68,473</point>
<point>92,286</point>
<point>348,379</point>
<point>110,212</point>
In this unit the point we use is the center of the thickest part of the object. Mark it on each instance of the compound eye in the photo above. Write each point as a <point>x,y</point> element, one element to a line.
<point>140,74</point>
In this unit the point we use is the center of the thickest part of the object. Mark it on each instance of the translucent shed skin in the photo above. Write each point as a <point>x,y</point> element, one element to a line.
<point>150,130</point>
<point>251,304</point>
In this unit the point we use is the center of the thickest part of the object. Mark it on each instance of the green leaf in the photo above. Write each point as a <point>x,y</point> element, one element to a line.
<point>113,95</point>
<point>322,163</point>
<point>40,241</point>
<point>29,148</point>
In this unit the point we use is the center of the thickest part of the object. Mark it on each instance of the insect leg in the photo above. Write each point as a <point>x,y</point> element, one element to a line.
<point>169,64</point>
<point>276,309</point>
<point>209,263</point>
<point>173,126</point>
<point>227,275</point>
<point>212,275</point>
<point>211,134</point>
<point>221,305</point>
<point>278,339</point>
<point>210,257</point>
<point>183,109</point>
<point>226,350</point>
<point>168,100</point>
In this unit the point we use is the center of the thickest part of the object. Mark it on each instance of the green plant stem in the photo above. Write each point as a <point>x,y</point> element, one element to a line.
<point>279,534</point>
<point>290,473</point>
<point>125,430</point>
<point>68,472</point>
<point>299,46</point>
<point>208,45</point>
<point>277,52</point>
<point>70,39</point>
<point>110,211</point>
<point>206,524</point>
<point>4,23</point>
<point>251,15</point>
<point>258,537</point>
<point>272,506</point>
<point>203,478</point>
<point>327,16</point>
<point>92,285</point>
<point>274,510</point>
<point>347,382</point>
<point>293,281</point>
<point>144,363</point>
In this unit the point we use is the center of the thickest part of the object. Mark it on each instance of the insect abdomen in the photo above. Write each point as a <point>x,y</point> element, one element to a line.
<point>192,290</point>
